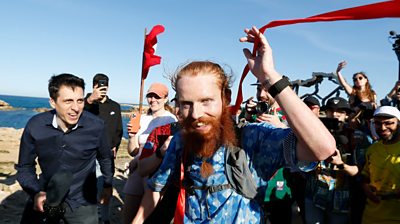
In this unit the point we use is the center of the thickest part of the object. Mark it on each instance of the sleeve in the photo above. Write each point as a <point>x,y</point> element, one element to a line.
<point>264,145</point>
<point>289,150</point>
<point>105,158</point>
<point>26,167</point>
<point>168,166</point>
<point>88,106</point>
<point>118,132</point>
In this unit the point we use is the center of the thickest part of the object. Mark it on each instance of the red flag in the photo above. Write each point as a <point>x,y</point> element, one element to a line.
<point>149,58</point>
<point>388,9</point>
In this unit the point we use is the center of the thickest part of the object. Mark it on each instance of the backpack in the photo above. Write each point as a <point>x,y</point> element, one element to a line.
<point>237,172</point>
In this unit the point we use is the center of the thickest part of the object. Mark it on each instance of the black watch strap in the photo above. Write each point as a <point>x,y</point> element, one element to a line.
<point>277,87</point>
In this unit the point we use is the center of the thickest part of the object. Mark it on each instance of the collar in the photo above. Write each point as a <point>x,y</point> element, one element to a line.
<point>55,125</point>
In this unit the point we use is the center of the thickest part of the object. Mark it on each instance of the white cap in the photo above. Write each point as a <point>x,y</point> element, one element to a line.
<point>387,111</point>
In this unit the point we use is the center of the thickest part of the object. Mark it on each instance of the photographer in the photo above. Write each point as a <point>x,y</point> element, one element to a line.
<point>393,97</point>
<point>265,110</point>
<point>100,104</point>
<point>328,186</point>
<point>278,197</point>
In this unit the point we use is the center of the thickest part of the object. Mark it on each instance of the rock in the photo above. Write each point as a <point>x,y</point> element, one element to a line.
<point>41,109</point>
<point>3,103</point>
<point>5,106</point>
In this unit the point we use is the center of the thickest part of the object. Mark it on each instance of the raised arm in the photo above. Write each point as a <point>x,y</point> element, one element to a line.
<point>394,91</point>
<point>314,140</point>
<point>348,88</point>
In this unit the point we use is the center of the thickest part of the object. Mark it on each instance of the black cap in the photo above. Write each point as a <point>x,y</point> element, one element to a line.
<point>311,101</point>
<point>338,103</point>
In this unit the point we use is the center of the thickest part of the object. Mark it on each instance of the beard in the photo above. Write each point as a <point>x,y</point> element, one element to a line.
<point>205,144</point>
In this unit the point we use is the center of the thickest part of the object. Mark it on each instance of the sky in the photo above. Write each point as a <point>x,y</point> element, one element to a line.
<point>40,38</point>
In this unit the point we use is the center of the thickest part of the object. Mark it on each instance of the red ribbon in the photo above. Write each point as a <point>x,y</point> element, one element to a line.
<point>388,9</point>
<point>180,203</point>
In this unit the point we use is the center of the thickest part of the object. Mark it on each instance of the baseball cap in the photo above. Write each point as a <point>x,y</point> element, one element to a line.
<point>311,101</point>
<point>338,103</point>
<point>158,88</point>
<point>387,111</point>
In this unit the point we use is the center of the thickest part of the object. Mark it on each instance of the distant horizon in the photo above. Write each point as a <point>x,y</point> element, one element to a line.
<point>39,97</point>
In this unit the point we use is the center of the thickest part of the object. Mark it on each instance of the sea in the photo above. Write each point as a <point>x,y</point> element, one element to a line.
<point>25,108</point>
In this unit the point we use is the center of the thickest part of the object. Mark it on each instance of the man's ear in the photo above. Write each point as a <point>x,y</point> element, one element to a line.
<point>52,103</point>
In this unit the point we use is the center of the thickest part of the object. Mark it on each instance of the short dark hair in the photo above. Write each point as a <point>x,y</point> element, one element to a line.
<point>64,79</point>
<point>98,77</point>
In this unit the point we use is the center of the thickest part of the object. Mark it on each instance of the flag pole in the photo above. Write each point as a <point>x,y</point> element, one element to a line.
<point>141,77</point>
<point>135,118</point>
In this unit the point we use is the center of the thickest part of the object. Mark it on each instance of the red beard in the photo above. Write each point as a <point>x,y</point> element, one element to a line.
<point>206,144</point>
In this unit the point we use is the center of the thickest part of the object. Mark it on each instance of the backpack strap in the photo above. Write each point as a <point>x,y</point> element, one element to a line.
<point>238,172</point>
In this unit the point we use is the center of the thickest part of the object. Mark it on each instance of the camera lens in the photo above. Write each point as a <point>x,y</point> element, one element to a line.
<point>262,108</point>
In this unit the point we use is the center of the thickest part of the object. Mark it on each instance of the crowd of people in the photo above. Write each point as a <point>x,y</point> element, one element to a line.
<point>197,163</point>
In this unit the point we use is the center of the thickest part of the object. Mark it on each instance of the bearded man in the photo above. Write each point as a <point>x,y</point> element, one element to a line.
<point>207,132</point>
<point>382,169</point>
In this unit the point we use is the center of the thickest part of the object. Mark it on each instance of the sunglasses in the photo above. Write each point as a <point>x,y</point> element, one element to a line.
<point>358,78</point>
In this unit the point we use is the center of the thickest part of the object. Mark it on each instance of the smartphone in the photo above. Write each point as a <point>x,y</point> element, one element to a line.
<point>103,82</point>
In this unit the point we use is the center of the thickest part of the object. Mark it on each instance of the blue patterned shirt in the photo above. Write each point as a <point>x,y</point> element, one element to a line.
<point>264,146</point>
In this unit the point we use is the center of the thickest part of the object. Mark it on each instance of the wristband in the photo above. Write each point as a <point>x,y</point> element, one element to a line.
<point>277,87</point>
<point>158,153</point>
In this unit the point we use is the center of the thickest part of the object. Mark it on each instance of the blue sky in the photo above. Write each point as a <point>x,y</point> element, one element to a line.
<point>40,38</point>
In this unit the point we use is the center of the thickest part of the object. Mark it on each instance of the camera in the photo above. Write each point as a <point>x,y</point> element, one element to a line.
<point>262,108</point>
<point>102,83</point>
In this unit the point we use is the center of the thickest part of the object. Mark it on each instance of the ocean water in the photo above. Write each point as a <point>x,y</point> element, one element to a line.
<point>25,110</point>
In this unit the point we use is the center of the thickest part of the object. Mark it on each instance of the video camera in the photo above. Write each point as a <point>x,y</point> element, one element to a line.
<point>336,129</point>
<point>332,124</point>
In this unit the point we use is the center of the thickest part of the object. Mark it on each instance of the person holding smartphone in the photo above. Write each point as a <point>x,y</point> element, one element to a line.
<point>109,111</point>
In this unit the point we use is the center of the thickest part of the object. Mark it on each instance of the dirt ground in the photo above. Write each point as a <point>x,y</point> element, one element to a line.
<point>12,198</point>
